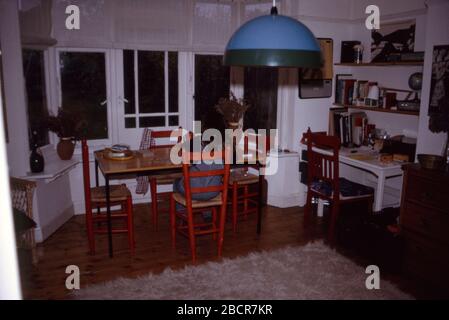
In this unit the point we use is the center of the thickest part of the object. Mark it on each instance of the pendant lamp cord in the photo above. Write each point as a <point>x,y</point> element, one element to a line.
<point>274,10</point>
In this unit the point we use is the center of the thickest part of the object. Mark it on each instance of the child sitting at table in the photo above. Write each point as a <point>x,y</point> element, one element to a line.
<point>198,182</point>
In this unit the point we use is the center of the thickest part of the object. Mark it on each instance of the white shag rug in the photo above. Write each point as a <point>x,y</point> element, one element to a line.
<point>313,271</point>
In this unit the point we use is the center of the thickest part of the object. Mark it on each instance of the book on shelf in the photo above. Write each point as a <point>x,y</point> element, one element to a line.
<point>350,91</point>
<point>333,118</point>
<point>342,85</point>
<point>359,122</point>
<point>361,91</point>
<point>350,127</point>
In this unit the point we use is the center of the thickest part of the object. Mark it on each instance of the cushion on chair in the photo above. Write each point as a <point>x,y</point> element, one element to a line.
<point>216,201</point>
<point>348,189</point>
<point>117,193</point>
<point>241,178</point>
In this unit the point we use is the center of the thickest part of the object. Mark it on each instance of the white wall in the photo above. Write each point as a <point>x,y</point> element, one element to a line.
<point>437,33</point>
<point>342,21</point>
<point>314,113</point>
<point>432,28</point>
<point>388,8</point>
<point>16,113</point>
<point>391,77</point>
<point>9,271</point>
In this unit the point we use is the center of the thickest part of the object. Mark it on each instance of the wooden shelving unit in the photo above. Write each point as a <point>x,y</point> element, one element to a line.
<point>382,64</point>
<point>350,106</point>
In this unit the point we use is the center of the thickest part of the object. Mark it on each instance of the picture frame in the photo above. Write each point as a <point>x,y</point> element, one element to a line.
<point>392,40</point>
<point>439,82</point>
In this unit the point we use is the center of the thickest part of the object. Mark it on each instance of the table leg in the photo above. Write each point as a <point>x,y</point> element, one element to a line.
<point>379,192</point>
<point>108,214</point>
<point>96,180</point>
<point>259,207</point>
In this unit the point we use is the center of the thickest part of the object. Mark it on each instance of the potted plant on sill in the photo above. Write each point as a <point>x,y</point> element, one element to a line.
<point>69,127</point>
<point>232,110</point>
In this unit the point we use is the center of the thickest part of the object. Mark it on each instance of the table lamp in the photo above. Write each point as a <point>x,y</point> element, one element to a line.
<point>373,96</point>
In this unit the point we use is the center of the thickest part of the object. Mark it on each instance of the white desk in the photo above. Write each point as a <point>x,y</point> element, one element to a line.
<point>367,160</point>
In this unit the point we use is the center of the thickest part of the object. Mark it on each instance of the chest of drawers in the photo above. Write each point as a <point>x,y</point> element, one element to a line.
<point>424,224</point>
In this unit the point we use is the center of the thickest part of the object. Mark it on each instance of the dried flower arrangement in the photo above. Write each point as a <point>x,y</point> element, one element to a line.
<point>66,124</point>
<point>232,109</point>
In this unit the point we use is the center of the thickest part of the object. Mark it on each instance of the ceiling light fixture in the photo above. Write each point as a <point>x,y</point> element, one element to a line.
<point>275,41</point>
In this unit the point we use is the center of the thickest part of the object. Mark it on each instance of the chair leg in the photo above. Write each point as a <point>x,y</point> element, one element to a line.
<point>191,235</point>
<point>333,222</point>
<point>308,210</point>
<point>90,232</point>
<point>245,201</point>
<point>153,190</point>
<point>129,212</point>
<point>234,206</point>
<point>221,229</point>
<point>214,222</point>
<point>370,206</point>
<point>173,221</point>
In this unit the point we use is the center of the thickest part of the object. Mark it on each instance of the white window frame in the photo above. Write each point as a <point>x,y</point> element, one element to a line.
<point>235,78</point>
<point>109,92</point>
<point>282,93</point>
<point>46,71</point>
<point>166,114</point>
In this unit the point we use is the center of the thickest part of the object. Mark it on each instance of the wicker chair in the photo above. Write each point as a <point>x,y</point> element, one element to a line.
<point>22,199</point>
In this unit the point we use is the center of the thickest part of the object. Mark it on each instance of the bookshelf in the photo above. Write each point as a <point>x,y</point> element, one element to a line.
<point>350,106</point>
<point>382,64</point>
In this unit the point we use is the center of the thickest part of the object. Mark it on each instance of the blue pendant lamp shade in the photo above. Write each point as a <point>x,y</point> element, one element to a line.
<point>275,41</point>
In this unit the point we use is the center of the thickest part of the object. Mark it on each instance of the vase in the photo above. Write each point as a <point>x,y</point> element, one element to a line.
<point>65,148</point>
<point>36,160</point>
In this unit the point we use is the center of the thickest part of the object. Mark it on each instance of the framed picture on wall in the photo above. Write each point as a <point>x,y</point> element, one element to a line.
<point>317,83</point>
<point>439,83</point>
<point>392,39</point>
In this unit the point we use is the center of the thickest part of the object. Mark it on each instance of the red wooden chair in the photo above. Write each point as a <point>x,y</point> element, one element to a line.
<point>241,180</point>
<point>191,224</point>
<point>162,179</point>
<point>96,198</point>
<point>323,179</point>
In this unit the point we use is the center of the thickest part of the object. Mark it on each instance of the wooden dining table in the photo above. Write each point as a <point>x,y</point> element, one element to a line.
<point>144,163</point>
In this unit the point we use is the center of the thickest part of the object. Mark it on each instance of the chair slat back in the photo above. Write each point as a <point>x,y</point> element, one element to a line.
<point>163,135</point>
<point>188,174</point>
<point>159,136</point>
<point>262,146</point>
<point>322,166</point>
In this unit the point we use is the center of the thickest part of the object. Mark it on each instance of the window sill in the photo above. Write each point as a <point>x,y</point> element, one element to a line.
<point>54,167</point>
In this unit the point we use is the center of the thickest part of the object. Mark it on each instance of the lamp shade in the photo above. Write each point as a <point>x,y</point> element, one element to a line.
<point>275,41</point>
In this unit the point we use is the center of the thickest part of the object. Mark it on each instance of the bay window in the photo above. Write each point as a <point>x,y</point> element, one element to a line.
<point>150,80</point>
<point>36,98</point>
<point>83,84</point>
